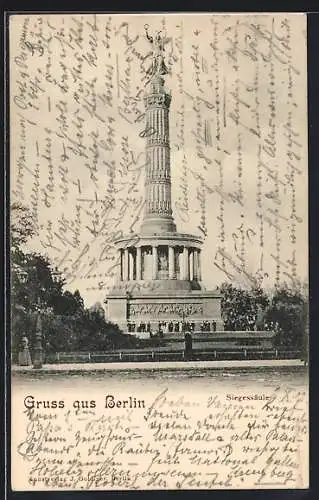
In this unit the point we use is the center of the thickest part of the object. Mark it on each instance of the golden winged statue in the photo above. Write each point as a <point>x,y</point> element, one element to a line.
<point>158,66</point>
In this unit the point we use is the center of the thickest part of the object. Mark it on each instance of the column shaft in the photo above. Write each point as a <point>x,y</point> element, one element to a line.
<point>195,264</point>
<point>154,252</point>
<point>138,263</point>
<point>186,264</point>
<point>126,275</point>
<point>199,266</point>
<point>191,263</point>
<point>130,265</point>
<point>121,265</point>
<point>171,263</point>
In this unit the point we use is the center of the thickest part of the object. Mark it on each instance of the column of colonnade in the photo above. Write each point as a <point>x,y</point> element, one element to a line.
<point>131,264</point>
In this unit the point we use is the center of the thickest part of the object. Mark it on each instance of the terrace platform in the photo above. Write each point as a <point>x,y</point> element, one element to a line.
<point>161,365</point>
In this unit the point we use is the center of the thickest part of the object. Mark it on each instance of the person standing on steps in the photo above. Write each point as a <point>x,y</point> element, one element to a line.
<point>188,349</point>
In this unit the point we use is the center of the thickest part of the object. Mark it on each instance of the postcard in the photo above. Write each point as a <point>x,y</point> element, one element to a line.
<point>159,251</point>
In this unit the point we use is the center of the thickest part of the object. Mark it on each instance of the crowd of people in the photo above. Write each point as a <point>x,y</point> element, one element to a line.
<point>165,327</point>
<point>244,323</point>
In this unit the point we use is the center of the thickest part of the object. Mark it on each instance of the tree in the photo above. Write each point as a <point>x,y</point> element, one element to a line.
<point>38,287</point>
<point>97,308</point>
<point>22,226</point>
<point>96,334</point>
<point>68,303</point>
<point>288,313</point>
<point>242,309</point>
<point>34,286</point>
<point>34,281</point>
<point>59,333</point>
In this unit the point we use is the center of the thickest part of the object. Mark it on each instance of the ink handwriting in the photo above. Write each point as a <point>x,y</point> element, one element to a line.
<point>251,438</point>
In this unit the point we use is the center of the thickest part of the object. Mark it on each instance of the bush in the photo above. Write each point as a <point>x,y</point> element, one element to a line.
<point>288,313</point>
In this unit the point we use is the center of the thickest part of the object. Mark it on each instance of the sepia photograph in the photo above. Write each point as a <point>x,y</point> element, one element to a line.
<point>159,251</point>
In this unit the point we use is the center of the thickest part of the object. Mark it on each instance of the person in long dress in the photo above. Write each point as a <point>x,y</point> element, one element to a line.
<point>24,354</point>
<point>188,349</point>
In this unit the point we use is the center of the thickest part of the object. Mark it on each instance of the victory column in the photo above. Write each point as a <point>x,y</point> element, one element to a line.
<point>166,263</point>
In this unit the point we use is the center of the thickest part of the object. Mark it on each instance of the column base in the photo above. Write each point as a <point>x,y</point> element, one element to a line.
<point>157,225</point>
